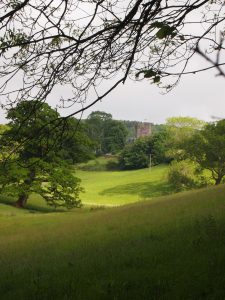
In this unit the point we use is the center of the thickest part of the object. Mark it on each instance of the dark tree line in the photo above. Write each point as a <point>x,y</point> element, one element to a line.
<point>136,155</point>
<point>108,135</point>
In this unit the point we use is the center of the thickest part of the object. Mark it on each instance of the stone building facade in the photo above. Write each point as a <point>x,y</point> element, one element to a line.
<point>143,129</point>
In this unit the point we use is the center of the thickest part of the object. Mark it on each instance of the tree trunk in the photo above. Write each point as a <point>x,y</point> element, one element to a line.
<point>218,180</point>
<point>22,200</point>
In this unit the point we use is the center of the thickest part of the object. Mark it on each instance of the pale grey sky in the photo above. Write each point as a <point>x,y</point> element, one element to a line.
<point>201,96</point>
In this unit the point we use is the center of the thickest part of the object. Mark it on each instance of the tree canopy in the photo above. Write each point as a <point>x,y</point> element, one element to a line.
<point>80,44</point>
<point>207,148</point>
<point>179,130</point>
<point>136,155</point>
<point>34,154</point>
<point>108,135</point>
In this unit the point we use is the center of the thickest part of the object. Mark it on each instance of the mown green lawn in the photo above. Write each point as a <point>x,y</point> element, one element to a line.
<point>123,187</point>
<point>171,247</point>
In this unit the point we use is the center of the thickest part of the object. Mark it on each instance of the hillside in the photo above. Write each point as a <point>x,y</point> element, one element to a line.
<point>171,247</point>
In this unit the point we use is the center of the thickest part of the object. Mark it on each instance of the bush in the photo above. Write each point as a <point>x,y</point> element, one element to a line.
<point>186,174</point>
<point>112,165</point>
<point>135,156</point>
<point>100,164</point>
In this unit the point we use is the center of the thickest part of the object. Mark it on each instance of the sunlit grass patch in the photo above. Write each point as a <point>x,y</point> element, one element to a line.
<point>122,187</point>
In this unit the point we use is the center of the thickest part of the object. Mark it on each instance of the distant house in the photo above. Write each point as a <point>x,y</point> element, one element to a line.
<point>143,129</point>
<point>138,129</point>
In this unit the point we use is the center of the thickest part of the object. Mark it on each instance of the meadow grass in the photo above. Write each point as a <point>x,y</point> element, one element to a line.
<point>35,204</point>
<point>110,188</point>
<point>171,247</point>
<point>123,187</point>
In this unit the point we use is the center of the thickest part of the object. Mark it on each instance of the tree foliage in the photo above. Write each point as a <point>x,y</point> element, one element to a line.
<point>79,44</point>
<point>115,134</point>
<point>35,156</point>
<point>179,130</point>
<point>76,146</point>
<point>135,155</point>
<point>207,148</point>
<point>186,174</point>
<point>108,135</point>
<point>159,148</point>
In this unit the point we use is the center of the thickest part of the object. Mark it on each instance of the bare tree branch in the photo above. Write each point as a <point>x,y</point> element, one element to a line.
<point>81,45</point>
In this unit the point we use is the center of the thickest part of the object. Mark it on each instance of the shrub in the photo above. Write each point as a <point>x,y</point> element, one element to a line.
<point>100,164</point>
<point>186,174</point>
<point>112,165</point>
<point>135,156</point>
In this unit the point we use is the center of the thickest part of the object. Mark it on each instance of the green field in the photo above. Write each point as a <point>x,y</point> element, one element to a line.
<point>171,247</point>
<point>113,188</point>
<point>123,187</point>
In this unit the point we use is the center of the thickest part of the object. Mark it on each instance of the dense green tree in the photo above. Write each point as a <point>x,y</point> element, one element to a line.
<point>115,134</point>
<point>95,128</point>
<point>4,150</point>
<point>131,127</point>
<point>136,155</point>
<point>179,130</point>
<point>159,146</point>
<point>35,161</point>
<point>186,174</point>
<point>207,148</point>
<point>108,135</point>
<point>76,146</point>
<point>3,128</point>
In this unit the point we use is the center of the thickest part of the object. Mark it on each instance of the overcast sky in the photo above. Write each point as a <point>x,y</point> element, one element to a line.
<point>201,96</point>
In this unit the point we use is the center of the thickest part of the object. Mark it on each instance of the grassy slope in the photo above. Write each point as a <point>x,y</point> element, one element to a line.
<point>116,188</point>
<point>35,204</point>
<point>167,248</point>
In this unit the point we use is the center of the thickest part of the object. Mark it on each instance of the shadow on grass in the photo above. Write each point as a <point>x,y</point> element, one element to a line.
<point>142,189</point>
<point>32,208</point>
<point>48,209</point>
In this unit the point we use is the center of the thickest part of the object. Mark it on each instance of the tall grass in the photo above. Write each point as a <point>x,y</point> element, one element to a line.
<point>171,247</point>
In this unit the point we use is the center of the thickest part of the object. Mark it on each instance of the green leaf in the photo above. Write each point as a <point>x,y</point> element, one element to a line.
<point>157,24</point>
<point>165,31</point>
<point>156,79</point>
<point>149,73</point>
<point>182,38</point>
